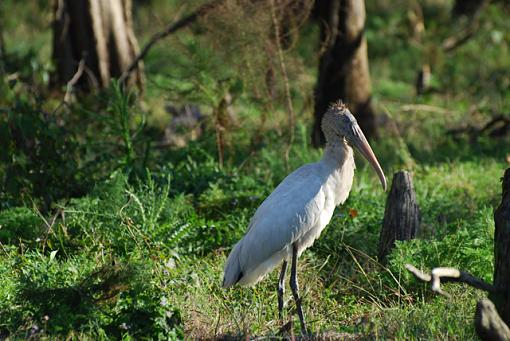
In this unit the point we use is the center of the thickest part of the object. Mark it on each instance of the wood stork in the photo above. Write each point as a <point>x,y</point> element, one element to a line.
<point>296,212</point>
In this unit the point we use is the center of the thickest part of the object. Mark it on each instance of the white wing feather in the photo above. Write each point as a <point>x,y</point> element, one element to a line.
<point>287,214</point>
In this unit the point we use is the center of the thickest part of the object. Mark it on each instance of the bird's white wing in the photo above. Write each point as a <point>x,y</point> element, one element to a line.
<point>288,213</point>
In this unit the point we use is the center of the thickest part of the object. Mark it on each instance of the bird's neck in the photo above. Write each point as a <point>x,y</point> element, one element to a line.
<point>337,153</point>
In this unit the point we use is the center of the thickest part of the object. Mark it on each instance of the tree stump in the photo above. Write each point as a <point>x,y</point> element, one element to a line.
<point>502,252</point>
<point>401,216</point>
<point>98,34</point>
<point>488,324</point>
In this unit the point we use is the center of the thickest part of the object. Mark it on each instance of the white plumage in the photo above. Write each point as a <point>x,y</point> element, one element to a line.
<point>297,210</point>
<point>294,215</point>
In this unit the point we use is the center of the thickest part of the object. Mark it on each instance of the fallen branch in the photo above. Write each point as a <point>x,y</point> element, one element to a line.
<point>450,275</point>
<point>171,28</point>
<point>425,107</point>
<point>490,128</point>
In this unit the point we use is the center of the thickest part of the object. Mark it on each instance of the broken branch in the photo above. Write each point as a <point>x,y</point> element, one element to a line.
<point>450,275</point>
<point>72,82</point>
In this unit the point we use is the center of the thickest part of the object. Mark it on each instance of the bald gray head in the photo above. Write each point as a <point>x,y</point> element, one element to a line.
<point>339,123</point>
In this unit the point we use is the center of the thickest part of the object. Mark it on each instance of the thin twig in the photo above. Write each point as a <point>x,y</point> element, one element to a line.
<point>72,82</point>
<point>171,28</point>
<point>450,275</point>
<point>290,109</point>
<point>49,225</point>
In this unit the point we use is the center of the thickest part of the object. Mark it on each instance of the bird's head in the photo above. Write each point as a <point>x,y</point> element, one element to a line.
<point>338,122</point>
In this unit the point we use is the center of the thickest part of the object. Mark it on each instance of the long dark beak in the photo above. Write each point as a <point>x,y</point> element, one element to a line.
<point>360,142</point>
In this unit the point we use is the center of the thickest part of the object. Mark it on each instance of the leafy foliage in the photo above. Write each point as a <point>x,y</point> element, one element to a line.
<point>39,158</point>
<point>19,223</point>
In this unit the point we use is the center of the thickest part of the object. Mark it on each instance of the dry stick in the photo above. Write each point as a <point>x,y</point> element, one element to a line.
<point>49,225</point>
<point>290,109</point>
<point>72,82</point>
<point>171,28</point>
<point>425,107</point>
<point>452,275</point>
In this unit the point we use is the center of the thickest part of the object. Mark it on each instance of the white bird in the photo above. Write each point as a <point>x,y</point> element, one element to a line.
<point>296,212</point>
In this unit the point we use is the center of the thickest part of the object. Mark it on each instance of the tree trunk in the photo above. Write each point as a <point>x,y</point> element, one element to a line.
<point>343,67</point>
<point>488,324</point>
<point>99,32</point>
<point>468,8</point>
<point>502,252</point>
<point>402,214</point>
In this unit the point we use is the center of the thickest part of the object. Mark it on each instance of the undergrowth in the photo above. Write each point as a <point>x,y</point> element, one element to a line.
<point>106,233</point>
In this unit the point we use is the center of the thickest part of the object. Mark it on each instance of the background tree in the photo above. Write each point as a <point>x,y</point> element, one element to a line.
<point>468,8</point>
<point>97,34</point>
<point>2,44</point>
<point>343,67</point>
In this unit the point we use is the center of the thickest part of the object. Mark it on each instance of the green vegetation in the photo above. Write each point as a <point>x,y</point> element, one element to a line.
<point>106,234</point>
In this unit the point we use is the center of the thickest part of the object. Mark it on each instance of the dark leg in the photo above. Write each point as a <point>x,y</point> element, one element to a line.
<point>295,288</point>
<point>281,289</point>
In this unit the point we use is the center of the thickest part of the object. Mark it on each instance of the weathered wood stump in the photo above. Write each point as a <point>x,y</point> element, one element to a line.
<point>502,252</point>
<point>402,214</point>
<point>488,324</point>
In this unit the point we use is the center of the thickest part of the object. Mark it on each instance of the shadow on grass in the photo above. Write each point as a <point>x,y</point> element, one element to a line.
<point>93,301</point>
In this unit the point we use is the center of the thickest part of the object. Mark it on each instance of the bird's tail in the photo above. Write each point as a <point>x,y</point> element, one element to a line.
<point>233,272</point>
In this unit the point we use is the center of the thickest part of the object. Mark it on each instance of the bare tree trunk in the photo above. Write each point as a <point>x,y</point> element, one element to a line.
<point>343,67</point>
<point>402,214</point>
<point>99,32</point>
<point>468,8</point>
<point>502,252</point>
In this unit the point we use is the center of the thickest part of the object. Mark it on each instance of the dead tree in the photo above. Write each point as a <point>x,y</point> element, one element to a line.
<point>99,33</point>
<point>343,66</point>
<point>502,251</point>
<point>490,324</point>
<point>402,214</point>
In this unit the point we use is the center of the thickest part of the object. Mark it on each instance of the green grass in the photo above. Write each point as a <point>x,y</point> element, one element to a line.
<point>105,236</point>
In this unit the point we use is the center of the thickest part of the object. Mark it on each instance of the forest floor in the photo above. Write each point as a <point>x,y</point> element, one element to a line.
<point>108,232</point>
